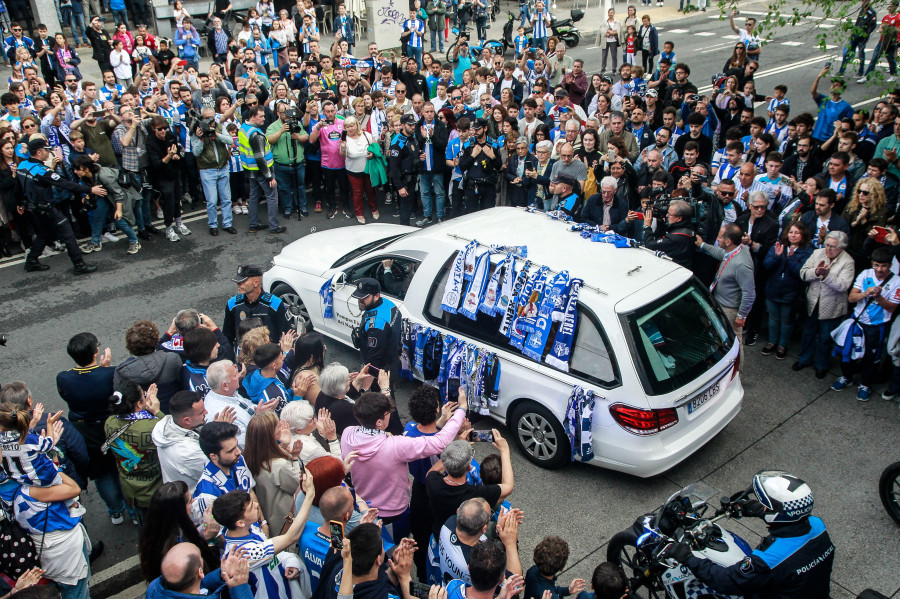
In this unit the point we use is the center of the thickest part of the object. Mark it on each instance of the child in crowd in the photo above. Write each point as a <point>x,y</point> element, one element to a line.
<point>550,557</point>
<point>521,42</point>
<point>778,99</point>
<point>237,174</point>
<point>630,39</point>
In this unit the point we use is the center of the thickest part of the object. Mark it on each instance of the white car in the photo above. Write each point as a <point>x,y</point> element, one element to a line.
<point>651,343</point>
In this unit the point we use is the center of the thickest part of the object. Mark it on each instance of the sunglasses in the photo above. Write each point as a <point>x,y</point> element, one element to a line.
<point>763,207</point>
<point>456,98</point>
<point>863,192</point>
<point>160,128</point>
<point>71,80</point>
<point>726,193</point>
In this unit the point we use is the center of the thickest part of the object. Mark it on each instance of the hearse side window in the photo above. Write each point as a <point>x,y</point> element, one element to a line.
<point>591,358</point>
<point>392,272</point>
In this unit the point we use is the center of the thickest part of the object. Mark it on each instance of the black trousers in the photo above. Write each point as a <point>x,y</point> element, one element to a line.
<point>408,204</point>
<point>52,224</point>
<point>314,179</point>
<point>170,198</point>
<point>339,176</point>
<point>190,179</point>
<point>479,196</point>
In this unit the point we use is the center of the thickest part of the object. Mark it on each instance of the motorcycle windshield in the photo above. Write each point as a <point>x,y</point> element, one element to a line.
<point>698,493</point>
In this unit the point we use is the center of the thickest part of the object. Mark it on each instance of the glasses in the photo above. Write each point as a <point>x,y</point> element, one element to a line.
<point>726,193</point>
<point>71,80</point>
<point>17,29</point>
<point>752,69</point>
<point>761,207</point>
<point>455,98</point>
<point>863,192</point>
<point>29,125</point>
<point>159,128</point>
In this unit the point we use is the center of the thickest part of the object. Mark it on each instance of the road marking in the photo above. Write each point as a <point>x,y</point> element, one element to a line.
<point>778,70</point>
<point>704,34</point>
<point>869,101</point>
<point>134,592</point>
<point>824,26</point>
<point>677,30</point>
<point>791,43</point>
<point>115,569</point>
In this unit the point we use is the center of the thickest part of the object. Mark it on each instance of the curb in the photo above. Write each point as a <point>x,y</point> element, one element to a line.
<point>120,578</point>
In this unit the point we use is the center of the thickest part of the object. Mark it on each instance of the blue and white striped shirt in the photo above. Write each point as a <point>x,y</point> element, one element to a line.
<point>417,27</point>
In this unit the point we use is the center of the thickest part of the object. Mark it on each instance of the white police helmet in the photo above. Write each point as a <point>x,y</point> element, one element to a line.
<point>785,497</point>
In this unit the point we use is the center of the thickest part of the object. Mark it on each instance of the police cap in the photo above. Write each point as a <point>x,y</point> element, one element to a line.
<point>408,119</point>
<point>480,123</point>
<point>245,271</point>
<point>38,143</point>
<point>365,288</point>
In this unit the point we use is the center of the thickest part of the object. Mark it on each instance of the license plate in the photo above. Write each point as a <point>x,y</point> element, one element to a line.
<point>704,397</point>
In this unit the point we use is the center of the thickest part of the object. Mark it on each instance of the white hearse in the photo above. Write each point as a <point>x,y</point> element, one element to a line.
<point>650,343</point>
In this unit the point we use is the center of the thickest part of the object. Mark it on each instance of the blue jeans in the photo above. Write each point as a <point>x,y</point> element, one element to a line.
<point>780,323</point>
<point>217,180</point>
<point>891,59</point>
<point>98,221</point>
<point>526,18</point>
<point>110,490</point>
<point>120,16</point>
<point>850,52</point>
<point>415,53</point>
<point>79,590</point>
<point>259,189</point>
<point>431,185</point>
<point>437,38</point>
<point>76,22</point>
<point>815,345</point>
<point>284,175</point>
<point>539,42</point>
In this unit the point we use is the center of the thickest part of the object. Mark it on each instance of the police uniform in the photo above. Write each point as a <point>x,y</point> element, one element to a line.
<point>37,183</point>
<point>267,307</point>
<point>794,560</point>
<point>479,172</point>
<point>260,177</point>
<point>404,169</point>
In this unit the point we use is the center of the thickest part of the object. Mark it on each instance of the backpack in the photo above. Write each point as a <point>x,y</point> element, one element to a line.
<point>18,553</point>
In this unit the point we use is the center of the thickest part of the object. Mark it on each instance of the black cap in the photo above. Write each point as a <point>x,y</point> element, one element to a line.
<point>566,179</point>
<point>36,144</point>
<point>245,271</point>
<point>408,119</point>
<point>606,78</point>
<point>480,123</point>
<point>561,93</point>
<point>365,288</point>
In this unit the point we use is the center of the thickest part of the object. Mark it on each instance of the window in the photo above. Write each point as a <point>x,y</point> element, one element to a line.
<point>591,359</point>
<point>365,249</point>
<point>678,337</point>
<point>394,273</point>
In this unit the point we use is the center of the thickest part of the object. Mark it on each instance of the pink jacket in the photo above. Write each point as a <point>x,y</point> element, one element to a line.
<point>330,142</point>
<point>381,473</point>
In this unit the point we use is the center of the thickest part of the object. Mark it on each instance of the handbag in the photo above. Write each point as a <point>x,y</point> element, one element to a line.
<point>18,553</point>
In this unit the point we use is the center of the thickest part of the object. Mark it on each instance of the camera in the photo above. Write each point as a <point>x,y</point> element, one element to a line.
<point>660,207</point>
<point>293,119</point>
<point>694,97</point>
<point>207,128</point>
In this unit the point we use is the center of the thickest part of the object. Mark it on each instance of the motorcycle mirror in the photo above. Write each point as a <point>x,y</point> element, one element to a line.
<point>643,538</point>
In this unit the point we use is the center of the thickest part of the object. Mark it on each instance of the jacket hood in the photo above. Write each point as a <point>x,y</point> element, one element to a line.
<point>365,444</point>
<point>167,434</point>
<point>256,383</point>
<point>146,369</point>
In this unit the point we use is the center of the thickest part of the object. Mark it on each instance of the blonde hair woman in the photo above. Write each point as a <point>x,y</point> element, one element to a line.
<point>355,149</point>
<point>866,209</point>
<point>252,339</point>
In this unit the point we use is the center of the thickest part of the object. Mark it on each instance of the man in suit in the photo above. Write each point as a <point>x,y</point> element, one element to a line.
<point>760,233</point>
<point>823,219</point>
<point>733,286</point>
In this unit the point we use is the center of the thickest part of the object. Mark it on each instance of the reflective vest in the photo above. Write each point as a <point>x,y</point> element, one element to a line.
<point>247,159</point>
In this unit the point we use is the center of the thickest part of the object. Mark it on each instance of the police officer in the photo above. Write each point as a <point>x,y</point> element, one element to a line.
<point>404,166</point>
<point>256,157</point>
<point>566,187</point>
<point>378,335</point>
<point>676,239</point>
<point>480,163</point>
<point>794,560</point>
<point>49,222</point>
<point>251,302</point>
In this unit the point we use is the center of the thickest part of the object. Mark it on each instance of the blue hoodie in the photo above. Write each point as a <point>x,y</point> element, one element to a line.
<point>212,583</point>
<point>259,388</point>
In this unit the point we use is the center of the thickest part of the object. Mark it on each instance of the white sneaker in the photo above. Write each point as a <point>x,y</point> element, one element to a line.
<point>171,235</point>
<point>183,229</point>
<point>110,237</point>
<point>76,510</point>
<point>245,210</point>
<point>862,79</point>
<point>117,518</point>
<point>159,213</point>
<point>891,79</point>
<point>236,209</point>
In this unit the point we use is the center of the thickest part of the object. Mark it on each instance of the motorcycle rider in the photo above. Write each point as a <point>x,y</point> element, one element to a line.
<point>794,560</point>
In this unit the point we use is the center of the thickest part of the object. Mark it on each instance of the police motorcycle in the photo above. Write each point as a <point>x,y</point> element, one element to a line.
<point>889,490</point>
<point>684,517</point>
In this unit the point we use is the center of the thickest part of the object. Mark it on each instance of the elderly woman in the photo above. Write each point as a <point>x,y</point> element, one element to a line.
<point>337,384</point>
<point>300,417</point>
<point>829,272</point>
<point>519,186</point>
<point>274,461</point>
<point>541,175</point>
<point>784,285</point>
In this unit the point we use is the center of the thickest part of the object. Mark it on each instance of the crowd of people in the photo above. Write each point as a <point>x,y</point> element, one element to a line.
<point>230,447</point>
<point>250,463</point>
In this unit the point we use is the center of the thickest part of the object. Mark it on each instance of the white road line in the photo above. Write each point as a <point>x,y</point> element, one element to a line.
<point>865,102</point>
<point>115,569</point>
<point>791,43</point>
<point>704,34</point>
<point>779,70</point>
<point>678,30</point>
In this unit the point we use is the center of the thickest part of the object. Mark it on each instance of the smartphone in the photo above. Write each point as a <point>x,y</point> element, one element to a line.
<point>337,534</point>
<point>828,66</point>
<point>374,371</point>
<point>453,389</point>
<point>610,155</point>
<point>481,436</point>
<point>419,589</point>
<point>137,112</point>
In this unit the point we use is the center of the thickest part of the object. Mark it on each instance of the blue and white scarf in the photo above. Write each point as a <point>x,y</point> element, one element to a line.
<point>472,299</point>
<point>489,303</point>
<point>578,423</point>
<point>421,337</point>
<point>527,307</point>
<point>561,351</point>
<point>520,251</point>
<point>513,299</point>
<point>327,295</point>
<point>453,289</point>
<point>534,346</point>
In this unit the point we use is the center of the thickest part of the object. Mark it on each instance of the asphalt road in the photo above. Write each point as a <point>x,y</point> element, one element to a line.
<point>789,421</point>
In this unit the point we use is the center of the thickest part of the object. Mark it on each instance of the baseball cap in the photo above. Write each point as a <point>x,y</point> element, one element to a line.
<point>365,288</point>
<point>36,144</point>
<point>408,119</point>
<point>245,271</point>
<point>561,93</point>
<point>480,123</point>
<point>606,78</point>
<point>567,179</point>
<point>652,93</point>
